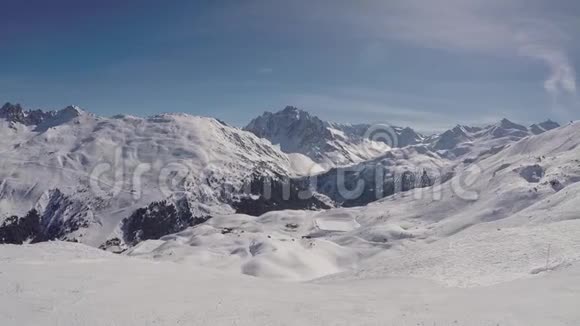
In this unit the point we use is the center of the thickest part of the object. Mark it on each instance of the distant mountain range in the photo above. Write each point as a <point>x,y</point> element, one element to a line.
<point>113,182</point>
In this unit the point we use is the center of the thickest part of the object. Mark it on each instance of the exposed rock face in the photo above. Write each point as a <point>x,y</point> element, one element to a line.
<point>531,173</point>
<point>15,113</point>
<point>64,217</point>
<point>291,128</point>
<point>114,245</point>
<point>264,194</point>
<point>60,218</point>
<point>18,230</point>
<point>158,219</point>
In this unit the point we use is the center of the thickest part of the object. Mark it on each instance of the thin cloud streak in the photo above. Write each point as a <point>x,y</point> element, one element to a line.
<point>562,78</point>
<point>488,27</point>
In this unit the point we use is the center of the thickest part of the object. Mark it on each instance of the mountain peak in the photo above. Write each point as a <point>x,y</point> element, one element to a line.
<point>549,124</point>
<point>507,124</point>
<point>16,113</point>
<point>290,109</point>
<point>9,106</point>
<point>458,130</point>
<point>538,128</point>
<point>290,128</point>
<point>294,113</point>
<point>69,112</point>
<point>336,144</point>
<point>10,110</point>
<point>73,109</point>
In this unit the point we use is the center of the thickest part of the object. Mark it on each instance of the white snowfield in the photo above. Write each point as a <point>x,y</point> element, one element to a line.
<point>71,284</point>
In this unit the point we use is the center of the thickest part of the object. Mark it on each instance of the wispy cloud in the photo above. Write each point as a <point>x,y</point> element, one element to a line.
<point>561,81</point>
<point>506,27</point>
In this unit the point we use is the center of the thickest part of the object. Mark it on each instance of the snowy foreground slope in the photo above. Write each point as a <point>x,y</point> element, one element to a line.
<point>70,284</point>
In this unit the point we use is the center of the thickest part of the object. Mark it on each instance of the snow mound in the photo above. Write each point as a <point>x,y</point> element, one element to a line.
<point>274,246</point>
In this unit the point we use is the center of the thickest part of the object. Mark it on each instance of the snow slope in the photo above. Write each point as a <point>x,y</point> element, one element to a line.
<point>70,284</point>
<point>500,227</point>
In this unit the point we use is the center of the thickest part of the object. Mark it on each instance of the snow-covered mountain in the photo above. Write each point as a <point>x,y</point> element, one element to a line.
<point>357,152</point>
<point>92,178</point>
<point>419,165</point>
<point>126,179</point>
<point>332,144</point>
<point>15,113</point>
<point>466,142</point>
<point>512,215</point>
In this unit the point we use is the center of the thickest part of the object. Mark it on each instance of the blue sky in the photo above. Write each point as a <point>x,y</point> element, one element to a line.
<point>427,64</point>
